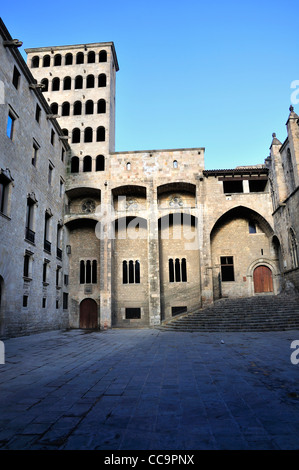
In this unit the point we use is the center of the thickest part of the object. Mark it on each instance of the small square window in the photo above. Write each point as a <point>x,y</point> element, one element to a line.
<point>227,268</point>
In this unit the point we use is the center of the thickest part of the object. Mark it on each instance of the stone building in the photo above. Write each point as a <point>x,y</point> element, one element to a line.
<point>147,234</point>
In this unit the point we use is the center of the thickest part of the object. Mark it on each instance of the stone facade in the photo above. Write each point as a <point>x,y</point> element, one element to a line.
<point>147,234</point>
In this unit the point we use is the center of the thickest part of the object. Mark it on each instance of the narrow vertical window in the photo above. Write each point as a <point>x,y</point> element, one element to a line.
<point>94,272</point>
<point>45,271</point>
<point>88,272</point>
<point>131,272</point>
<point>177,269</point>
<point>16,77</point>
<point>184,270</point>
<point>137,272</point>
<point>171,270</point>
<point>34,153</point>
<point>125,272</point>
<point>82,272</point>
<point>37,113</point>
<point>10,126</point>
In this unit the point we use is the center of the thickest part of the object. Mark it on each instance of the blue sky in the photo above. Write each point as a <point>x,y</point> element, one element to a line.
<point>192,73</point>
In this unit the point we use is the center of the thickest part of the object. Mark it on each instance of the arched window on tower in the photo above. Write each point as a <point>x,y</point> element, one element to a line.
<point>91,57</point>
<point>67,82</point>
<point>101,106</point>
<point>293,248</point>
<point>45,82</point>
<point>69,59</point>
<point>77,108</point>
<point>80,58</point>
<point>87,162</point>
<point>102,80</point>
<point>55,84</point>
<point>78,82</point>
<point>65,110</point>
<point>76,136</point>
<point>75,165</point>
<point>46,61</point>
<point>89,107</point>
<point>35,62</point>
<point>88,134</point>
<point>103,56</point>
<point>90,81</point>
<point>101,134</point>
<point>100,163</point>
<point>57,59</point>
<point>54,108</point>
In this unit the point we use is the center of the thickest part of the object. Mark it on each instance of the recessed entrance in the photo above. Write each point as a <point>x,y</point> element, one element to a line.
<point>262,279</point>
<point>88,314</point>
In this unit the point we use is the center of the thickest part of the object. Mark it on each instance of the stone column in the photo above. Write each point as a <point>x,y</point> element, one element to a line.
<point>153,257</point>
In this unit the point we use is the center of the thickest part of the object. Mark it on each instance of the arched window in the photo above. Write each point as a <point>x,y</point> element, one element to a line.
<point>75,165</point>
<point>45,82</point>
<point>77,108</point>
<point>128,166</point>
<point>80,58</point>
<point>88,134</point>
<point>91,57</point>
<point>175,164</point>
<point>57,59</point>
<point>88,272</point>
<point>46,61</point>
<point>69,59</point>
<point>290,171</point>
<point>101,106</point>
<point>55,84</point>
<point>35,62</point>
<point>78,82</point>
<point>65,109</point>
<point>67,82</point>
<point>76,136</point>
<point>89,107</point>
<point>103,56</point>
<point>90,81</point>
<point>65,132</point>
<point>293,248</point>
<point>87,162</point>
<point>102,80</point>
<point>100,163</point>
<point>54,108</point>
<point>82,272</point>
<point>101,134</point>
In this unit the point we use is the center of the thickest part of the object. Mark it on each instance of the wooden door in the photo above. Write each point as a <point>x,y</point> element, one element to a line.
<point>88,314</point>
<point>262,279</point>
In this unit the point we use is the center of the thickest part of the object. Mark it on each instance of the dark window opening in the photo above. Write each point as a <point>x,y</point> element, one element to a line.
<point>44,302</point>
<point>252,227</point>
<point>101,106</point>
<point>54,108</point>
<point>89,107</point>
<point>133,313</point>
<point>67,83</point>
<point>100,163</point>
<point>102,80</point>
<point>103,56</point>
<point>37,113</point>
<point>55,84</point>
<point>88,134</point>
<point>88,272</point>
<point>46,61</point>
<point>78,82</point>
<point>76,136</point>
<point>75,165</point>
<point>87,163</point>
<point>16,77</point>
<point>257,186</point>
<point>101,134</point>
<point>65,111</point>
<point>91,57</point>
<point>57,59</point>
<point>65,300</point>
<point>25,300</point>
<point>77,108</point>
<point>35,62</point>
<point>69,59</point>
<point>80,58</point>
<point>90,81</point>
<point>227,268</point>
<point>26,266</point>
<point>233,186</point>
<point>178,310</point>
<point>125,272</point>
<point>45,82</point>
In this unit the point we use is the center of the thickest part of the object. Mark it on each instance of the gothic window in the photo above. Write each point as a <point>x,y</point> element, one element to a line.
<point>131,272</point>
<point>88,272</point>
<point>177,269</point>
<point>293,248</point>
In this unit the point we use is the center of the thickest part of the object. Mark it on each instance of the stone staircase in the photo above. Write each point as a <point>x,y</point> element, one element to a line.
<point>259,313</point>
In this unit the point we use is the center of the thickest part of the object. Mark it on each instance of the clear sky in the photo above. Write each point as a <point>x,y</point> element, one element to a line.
<point>193,73</point>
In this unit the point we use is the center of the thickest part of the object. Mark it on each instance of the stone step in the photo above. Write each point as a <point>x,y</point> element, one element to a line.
<point>263,313</point>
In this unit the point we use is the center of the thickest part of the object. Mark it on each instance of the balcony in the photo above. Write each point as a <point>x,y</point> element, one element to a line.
<point>47,246</point>
<point>29,235</point>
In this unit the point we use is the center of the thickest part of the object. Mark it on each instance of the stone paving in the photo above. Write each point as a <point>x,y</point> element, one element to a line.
<point>147,389</point>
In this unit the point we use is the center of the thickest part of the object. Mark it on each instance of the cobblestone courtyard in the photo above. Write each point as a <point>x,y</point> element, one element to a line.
<point>146,389</point>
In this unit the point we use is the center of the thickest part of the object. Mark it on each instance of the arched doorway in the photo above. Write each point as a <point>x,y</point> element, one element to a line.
<point>88,314</point>
<point>262,280</point>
